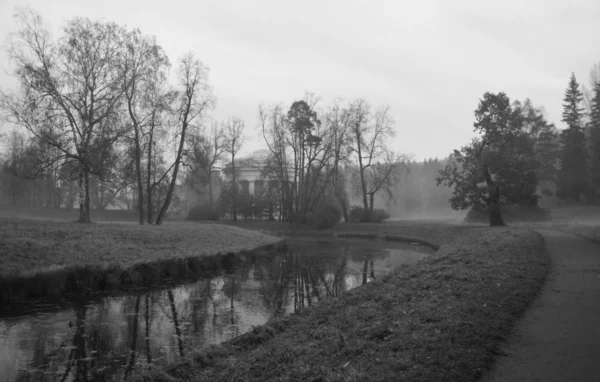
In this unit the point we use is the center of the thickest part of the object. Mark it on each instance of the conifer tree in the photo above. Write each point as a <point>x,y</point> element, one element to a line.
<point>546,144</point>
<point>573,180</point>
<point>595,141</point>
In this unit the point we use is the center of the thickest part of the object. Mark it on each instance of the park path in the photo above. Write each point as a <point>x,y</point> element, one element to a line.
<point>558,338</point>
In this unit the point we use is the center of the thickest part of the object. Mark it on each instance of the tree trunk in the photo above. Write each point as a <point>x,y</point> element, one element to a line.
<point>494,200</point>
<point>363,187</point>
<point>300,209</point>
<point>149,173</point>
<point>175,321</point>
<point>345,212</point>
<point>495,212</point>
<point>295,202</point>
<point>137,153</point>
<point>101,204</point>
<point>210,190</point>
<point>165,207</point>
<point>87,196</point>
<point>147,319</point>
<point>371,200</point>
<point>138,175</point>
<point>81,364</point>
<point>133,346</point>
<point>84,216</point>
<point>234,187</point>
<point>363,184</point>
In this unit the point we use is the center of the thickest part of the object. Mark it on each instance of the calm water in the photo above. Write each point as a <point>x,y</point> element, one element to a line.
<point>107,338</point>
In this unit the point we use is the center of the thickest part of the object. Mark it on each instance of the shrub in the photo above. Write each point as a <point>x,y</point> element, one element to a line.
<point>510,214</point>
<point>202,212</point>
<point>324,217</point>
<point>378,215</point>
<point>358,214</point>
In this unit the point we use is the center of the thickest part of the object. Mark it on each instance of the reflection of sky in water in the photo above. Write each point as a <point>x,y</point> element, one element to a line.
<point>103,339</point>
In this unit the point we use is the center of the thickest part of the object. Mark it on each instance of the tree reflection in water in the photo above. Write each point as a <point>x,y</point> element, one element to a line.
<point>104,339</point>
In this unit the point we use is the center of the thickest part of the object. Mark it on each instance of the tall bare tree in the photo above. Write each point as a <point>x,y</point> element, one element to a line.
<point>194,98</point>
<point>207,147</point>
<point>70,90</point>
<point>145,66</point>
<point>370,131</point>
<point>161,101</point>
<point>234,139</point>
<point>275,134</point>
<point>339,120</point>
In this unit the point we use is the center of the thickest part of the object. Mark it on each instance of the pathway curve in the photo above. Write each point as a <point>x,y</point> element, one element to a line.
<point>558,338</point>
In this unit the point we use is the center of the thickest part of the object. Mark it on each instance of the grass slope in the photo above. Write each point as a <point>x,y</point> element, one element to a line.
<point>43,259</point>
<point>579,220</point>
<point>438,320</point>
<point>434,232</point>
<point>30,247</point>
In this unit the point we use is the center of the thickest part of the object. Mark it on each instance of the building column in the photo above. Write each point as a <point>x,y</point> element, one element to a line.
<point>251,187</point>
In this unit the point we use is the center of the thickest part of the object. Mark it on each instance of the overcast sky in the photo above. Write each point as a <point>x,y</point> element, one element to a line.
<point>430,61</point>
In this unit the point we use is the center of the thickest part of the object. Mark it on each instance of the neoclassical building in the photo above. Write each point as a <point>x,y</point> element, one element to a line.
<point>251,171</point>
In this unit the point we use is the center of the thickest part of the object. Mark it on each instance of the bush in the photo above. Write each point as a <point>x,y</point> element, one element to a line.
<point>510,214</point>
<point>378,215</point>
<point>202,212</point>
<point>358,214</point>
<point>324,217</point>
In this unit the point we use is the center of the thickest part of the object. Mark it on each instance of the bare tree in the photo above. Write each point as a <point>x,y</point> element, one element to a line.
<point>275,134</point>
<point>71,89</point>
<point>194,97</point>
<point>384,176</point>
<point>338,121</point>
<point>144,65</point>
<point>307,154</point>
<point>207,147</point>
<point>369,134</point>
<point>161,101</point>
<point>234,139</point>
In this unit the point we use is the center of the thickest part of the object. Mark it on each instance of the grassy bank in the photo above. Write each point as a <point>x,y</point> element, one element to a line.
<point>438,320</point>
<point>40,258</point>
<point>579,220</point>
<point>591,232</point>
<point>435,233</point>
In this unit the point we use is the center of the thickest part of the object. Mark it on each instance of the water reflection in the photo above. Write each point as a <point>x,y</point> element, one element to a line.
<point>109,338</point>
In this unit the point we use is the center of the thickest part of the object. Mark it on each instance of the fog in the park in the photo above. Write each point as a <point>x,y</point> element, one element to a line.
<point>184,186</point>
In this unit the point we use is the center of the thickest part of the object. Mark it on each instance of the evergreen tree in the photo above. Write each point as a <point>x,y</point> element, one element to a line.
<point>595,140</point>
<point>546,144</point>
<point>573,178</point>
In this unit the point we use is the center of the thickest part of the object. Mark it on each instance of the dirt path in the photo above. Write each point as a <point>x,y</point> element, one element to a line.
<point>558,339</point>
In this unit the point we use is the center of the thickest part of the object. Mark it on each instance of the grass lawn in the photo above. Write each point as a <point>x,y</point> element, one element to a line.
<point>441,319</point>
<point>591,232</point>
<point>579,220</point>
<point>34,248</point>
<point>433,232</point>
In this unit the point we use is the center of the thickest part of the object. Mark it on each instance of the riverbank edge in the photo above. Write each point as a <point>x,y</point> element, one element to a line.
<point>223,357</point>
<point>107,277</point>
<point>364,236</point>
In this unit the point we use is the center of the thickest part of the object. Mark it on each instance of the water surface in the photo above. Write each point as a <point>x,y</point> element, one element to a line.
<point>108,338</point>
